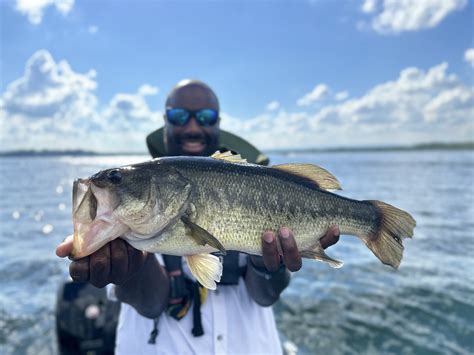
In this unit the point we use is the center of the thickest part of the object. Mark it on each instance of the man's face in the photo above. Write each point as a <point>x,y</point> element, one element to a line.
<point>192,138</point>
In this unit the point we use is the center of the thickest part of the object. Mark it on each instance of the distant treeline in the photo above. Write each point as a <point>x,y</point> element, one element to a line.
<point>424,146</point>
<point>53,153</point>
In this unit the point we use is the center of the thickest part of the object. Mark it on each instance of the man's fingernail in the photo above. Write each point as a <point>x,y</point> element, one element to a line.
<point>285,233</point>
<point>268,237</point>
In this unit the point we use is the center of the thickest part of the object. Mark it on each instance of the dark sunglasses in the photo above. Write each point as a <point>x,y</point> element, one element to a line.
<point>181,116</point>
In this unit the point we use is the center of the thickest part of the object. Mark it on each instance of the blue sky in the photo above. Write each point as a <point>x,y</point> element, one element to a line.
<point>95,74</point>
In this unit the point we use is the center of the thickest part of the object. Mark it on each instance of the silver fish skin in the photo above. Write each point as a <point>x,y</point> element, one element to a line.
<point>195,205</point>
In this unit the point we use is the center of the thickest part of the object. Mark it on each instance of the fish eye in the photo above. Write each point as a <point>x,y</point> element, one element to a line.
<point>115,176</point>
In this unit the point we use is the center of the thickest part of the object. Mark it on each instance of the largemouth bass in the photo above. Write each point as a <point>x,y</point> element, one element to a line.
<point>194,206</point>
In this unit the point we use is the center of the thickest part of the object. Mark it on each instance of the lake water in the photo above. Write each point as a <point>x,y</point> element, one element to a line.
<point>426,307</point>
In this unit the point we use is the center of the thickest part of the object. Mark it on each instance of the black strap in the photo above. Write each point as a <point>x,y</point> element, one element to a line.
<point>231,271</point>
<point>197,324</point>
<point>154,332</point>
<point>172,263</point>
<point>230,276</point>
<point>178,287</point>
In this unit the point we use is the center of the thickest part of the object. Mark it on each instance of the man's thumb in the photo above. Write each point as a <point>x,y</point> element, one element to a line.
<point>65,248</point>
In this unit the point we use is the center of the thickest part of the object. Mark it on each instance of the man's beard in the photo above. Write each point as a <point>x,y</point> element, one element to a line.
<point>176,143</point>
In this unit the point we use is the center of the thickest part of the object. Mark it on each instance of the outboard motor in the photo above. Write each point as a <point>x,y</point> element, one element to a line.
<point>86,320</point>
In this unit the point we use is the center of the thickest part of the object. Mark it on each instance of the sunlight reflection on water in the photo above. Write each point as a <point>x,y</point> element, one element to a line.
<point>427,306</point>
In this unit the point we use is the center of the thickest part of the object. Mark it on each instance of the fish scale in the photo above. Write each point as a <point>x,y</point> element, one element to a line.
<point>238,219</point>
<point>194,206</point>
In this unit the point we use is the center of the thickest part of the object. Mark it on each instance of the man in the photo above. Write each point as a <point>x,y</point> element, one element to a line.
<point>234,317</point>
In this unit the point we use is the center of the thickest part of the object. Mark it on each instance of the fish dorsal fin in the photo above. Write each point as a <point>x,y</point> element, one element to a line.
<point>229,157</point>
<point>323,178</point>
<point>206,268</point>
<point>202,236</point>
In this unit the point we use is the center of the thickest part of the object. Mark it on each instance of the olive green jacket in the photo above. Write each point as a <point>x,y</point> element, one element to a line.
<point>228,141</point>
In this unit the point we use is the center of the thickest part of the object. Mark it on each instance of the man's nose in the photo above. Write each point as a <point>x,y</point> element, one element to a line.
<point>193,125</point>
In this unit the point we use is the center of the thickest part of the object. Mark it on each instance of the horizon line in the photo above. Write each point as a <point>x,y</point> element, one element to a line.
<point>420,146</point>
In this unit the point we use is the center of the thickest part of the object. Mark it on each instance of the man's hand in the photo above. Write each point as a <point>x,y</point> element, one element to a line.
<point>115,263</point>
<point>291,256</point>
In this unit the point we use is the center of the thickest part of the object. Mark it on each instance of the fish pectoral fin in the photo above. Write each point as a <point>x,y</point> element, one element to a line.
<point>202,236</point>
<point>229,157</point>
<point>319,254</point>
<point>321,177</point>
<point>206,268</point>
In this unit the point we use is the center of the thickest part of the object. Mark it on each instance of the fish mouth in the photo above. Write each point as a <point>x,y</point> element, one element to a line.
<point>79,189</point>
<point>93,219</point>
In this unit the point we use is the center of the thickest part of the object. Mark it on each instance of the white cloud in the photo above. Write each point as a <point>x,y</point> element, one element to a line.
<point>47,87</point>
<point>64,6</point>
<point>369,6</point>
<point>395,16</point>
<point>416,97</point>
<point>34,9</point>
<point>92,29</point>
<point>148,90</point>
<point>124,111</point>
<point>273,106</point>
<point>469,56</point>
<point>316,94</point>
<point>341,96</point>
<point>418,106</point>
<point>51,106</point>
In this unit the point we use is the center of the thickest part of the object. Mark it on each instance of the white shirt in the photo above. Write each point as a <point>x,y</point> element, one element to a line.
<point>233,324</point>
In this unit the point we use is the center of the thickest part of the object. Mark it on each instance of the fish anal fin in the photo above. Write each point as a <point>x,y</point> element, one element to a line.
<point>202,236</point>
<point>319,254</point>
<point>206,268</point>
<point>321,177</point>
<point>229,157</point>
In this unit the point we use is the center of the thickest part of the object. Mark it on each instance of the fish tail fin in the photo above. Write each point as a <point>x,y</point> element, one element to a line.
<point>386,242</point>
